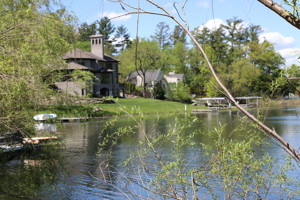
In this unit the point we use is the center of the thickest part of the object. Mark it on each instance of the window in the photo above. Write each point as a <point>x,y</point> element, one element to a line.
<point>109,65</point>
<point>80,62</point>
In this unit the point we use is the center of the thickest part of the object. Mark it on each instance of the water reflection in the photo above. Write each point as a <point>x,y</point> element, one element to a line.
<point>90,175</point>
<point>45,127</point>
<point>25,176</point>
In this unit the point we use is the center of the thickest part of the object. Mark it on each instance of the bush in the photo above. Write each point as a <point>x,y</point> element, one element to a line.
<point>158,92</point>
<point>130,87</point>
<point>181,93</point>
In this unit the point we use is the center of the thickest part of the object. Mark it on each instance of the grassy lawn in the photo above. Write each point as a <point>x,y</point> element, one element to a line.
<point>146,106</point>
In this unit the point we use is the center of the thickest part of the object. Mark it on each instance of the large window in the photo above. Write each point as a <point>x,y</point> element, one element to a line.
<point>109,65</point>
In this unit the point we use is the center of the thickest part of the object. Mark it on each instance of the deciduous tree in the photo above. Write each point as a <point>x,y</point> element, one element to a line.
<point>33,38</point>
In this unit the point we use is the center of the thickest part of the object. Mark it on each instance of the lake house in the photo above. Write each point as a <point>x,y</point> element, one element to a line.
<point>104,67</point>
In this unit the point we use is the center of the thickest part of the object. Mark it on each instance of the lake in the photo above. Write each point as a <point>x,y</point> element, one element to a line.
<point>75,169</point>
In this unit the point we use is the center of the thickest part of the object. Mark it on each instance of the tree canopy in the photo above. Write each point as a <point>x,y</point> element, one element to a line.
<point>33,39</point>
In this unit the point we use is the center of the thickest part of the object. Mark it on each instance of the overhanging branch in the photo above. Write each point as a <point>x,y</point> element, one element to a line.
<point>289,17</point>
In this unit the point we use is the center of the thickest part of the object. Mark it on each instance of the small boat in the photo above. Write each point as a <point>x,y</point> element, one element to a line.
<point>43,117</point>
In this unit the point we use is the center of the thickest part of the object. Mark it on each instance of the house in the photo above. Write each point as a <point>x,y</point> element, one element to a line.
<point>173,79</point>
<point>151,78</point>
<point>104,67</point>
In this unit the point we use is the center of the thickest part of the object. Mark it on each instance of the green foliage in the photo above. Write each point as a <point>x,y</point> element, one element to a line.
<point>30,175</point>
<point>294,5</point>
<point>85,79</point>
<point>234,168</point>
<point>105,28</point>
<point>234,51</point>
<point>123,35</point>
<point>240,172</point>
<point>179,35</point>
<point>181,93</point>
<point>162,35</point>
<point>212,89</point>
<point>33,38</point>
<point>74,110</point>
<point>293,71</point>
<point>83,45</point>
<point>241,78</point>
<point>159,92</point>
<point>85,31</point>
<point>130,87</point>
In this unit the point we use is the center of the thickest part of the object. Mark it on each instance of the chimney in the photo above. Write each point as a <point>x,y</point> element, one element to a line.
<point>97,45</point>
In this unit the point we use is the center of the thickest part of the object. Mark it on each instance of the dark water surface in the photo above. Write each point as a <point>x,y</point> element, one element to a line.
<point>73,170</point>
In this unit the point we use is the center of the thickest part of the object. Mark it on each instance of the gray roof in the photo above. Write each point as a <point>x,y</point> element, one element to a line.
<point>151,75</point>
<point>80,54</point>
<point>178,76</point>
<point>73,65</point>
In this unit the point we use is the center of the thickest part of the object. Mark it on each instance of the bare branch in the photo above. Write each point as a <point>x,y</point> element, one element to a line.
<point>264,127</point>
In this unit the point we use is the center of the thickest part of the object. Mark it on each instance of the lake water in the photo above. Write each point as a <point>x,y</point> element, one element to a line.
<point>75,170</point>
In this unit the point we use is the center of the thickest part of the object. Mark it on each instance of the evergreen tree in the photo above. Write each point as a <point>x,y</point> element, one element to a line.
<point>123,35</point>
<point>162,35</point>
<point>85,31</point>
<point>106,28</point>
<point>179,35</point>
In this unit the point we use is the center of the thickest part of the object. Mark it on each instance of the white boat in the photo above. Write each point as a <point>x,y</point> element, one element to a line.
<point>43,117</point>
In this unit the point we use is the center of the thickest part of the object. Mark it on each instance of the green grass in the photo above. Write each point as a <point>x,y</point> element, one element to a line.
<point>146,106</point>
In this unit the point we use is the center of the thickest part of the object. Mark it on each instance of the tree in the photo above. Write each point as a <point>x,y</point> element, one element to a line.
<point>236,33</point>
<point>179,58</point>
<point>85,31</point>
<point>146,59</point>
<point>123,36</point>
<point>85,79</point>
<point>264,57</point>
<point>158,91</point>
<point>179,35</point>
<point>162,35</point>
<point>290,17</point>
<point>106,28</point>
<point>181,93</point>
<point>163,12</point>
<point>32,41</point>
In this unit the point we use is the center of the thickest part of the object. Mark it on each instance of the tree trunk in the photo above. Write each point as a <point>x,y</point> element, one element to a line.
<point>144,86</point>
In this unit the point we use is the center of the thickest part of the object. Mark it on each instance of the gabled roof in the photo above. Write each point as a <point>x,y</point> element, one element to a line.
<point>151,75</point>
<point>80,54</point>
<point>73,65</point>
<point>178,76</point>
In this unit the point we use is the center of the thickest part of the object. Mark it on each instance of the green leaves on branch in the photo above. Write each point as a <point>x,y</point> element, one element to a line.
<point>232,168</point>
<point>33,38</point>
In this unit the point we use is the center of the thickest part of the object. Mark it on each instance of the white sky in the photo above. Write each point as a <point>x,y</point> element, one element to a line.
<point>199,12</point>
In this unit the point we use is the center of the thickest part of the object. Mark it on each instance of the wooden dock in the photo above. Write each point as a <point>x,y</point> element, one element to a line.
<point>202,110</point>
<point>73,119</point>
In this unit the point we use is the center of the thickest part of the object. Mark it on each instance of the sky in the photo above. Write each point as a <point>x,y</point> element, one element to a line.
<point>210,13</point>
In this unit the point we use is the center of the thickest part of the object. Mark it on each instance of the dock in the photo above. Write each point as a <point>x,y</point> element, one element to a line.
<point>73,119</point>
<point>202,110</point>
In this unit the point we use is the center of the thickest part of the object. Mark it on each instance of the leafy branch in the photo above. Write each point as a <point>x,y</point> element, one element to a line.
<point>163,12</point>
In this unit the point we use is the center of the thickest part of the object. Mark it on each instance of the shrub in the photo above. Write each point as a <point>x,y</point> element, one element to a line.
<point>158,92</point>
<point>181,93</point>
